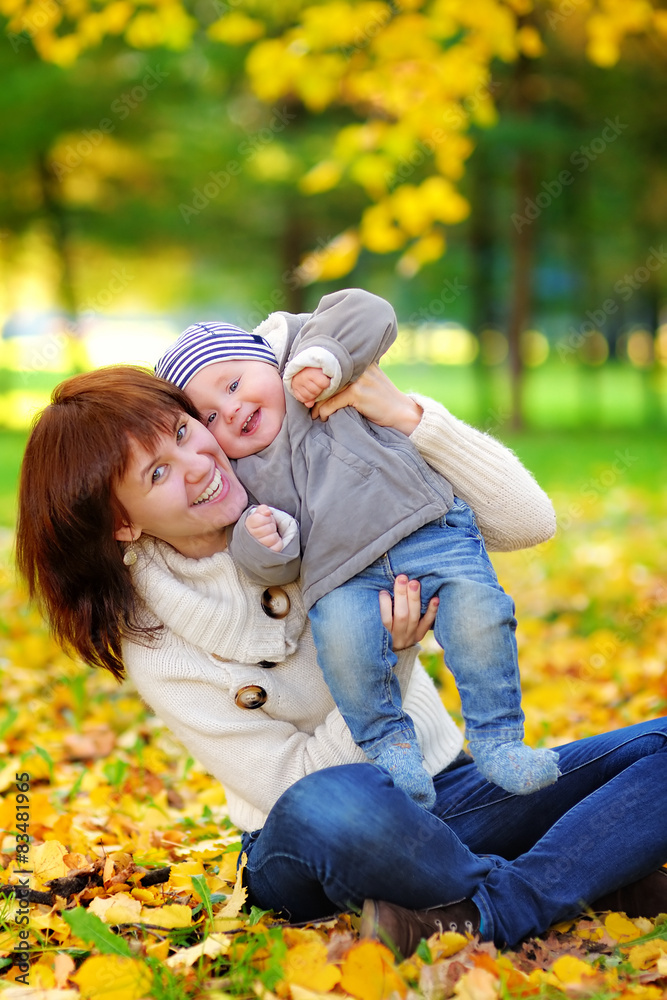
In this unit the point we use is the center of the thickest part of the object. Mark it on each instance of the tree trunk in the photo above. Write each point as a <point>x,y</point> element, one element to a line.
<point>523,242</point>
<point>58,223</point>
<point>520,303</point>
<point>293,247</point>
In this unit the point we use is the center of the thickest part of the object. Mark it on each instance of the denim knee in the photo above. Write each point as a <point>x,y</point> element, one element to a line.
<point>332,805</point>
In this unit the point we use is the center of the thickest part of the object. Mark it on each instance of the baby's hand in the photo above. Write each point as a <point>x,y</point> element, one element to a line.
<point>308,384</point>
<point>262,525</point>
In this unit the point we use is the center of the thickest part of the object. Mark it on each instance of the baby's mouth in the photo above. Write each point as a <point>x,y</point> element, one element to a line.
<point>212,491</point>
<point>251,423</point>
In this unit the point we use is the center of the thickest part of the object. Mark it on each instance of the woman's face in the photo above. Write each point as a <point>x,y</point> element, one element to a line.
<point>184,491</point>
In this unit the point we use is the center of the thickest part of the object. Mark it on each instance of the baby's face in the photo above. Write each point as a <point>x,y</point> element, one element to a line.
<point>241,402</point>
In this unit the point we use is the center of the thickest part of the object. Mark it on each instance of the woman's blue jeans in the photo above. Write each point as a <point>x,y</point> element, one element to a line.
<point>474,625</point>
<point>345,833</point>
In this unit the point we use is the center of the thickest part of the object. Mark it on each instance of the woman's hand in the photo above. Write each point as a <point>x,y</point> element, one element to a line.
<point>403,617</point>
<point>376,397</point>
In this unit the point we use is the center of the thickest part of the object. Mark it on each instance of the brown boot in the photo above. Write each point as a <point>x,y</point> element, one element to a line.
<point>645,898</point>
<point>402,930</point>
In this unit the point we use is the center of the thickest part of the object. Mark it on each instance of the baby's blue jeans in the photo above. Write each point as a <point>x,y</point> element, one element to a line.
<point>475,626</point>
<point>344,834</point>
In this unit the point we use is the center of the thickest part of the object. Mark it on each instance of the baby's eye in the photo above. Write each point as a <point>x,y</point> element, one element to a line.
<point>210,418</point>
<point>234,385</point>
<point>158,473</point>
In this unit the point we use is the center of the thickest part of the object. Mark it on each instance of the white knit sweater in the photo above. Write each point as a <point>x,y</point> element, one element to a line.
<point>216,633</point>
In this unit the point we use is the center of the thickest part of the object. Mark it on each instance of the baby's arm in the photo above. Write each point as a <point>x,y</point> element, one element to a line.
<point>348,330</point>
<point>265,543</point>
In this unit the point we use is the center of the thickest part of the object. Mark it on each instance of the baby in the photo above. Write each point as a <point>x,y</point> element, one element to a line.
<point>369,508</point>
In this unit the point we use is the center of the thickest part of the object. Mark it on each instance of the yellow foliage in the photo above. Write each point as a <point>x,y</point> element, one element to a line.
<point>236,28</point>
<point>112,977</point>
<point>306,965</point>
<point>378,231</point>
<point>447,943</point>
<point>272,66</point>
<point>643,956</point>
<point>337,258</point>
<point>181,874</point>
<point>443,200</point>
<point>368,972</point>
<point>116,15</point>
<point>412,209</point>
<point>529,42</point>
<point>424,250</point>
<point>47,861</point>
<point>620,928</point>
<point>117,909</point>
<point>318,81</point>
<point>373,172</point>
<point>169,916</point>
<point>322,177</point>
<point>570,971</point>
<point>341,24</point>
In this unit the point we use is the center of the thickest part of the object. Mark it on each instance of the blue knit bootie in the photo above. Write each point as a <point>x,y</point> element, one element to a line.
<point>404,762</point>
<point>514,766</point>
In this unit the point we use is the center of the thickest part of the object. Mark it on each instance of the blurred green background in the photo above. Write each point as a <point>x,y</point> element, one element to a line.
<point>146,183</point>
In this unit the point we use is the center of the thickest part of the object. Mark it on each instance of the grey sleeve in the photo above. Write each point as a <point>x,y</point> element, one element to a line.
<point>263,565</point>
<point>355,326</point>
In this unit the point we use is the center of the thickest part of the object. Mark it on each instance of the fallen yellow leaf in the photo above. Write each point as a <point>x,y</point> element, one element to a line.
<point>238,897</point>
<point>172,915</point>
<point>119,909</point>
<point>570,971</point>
<point>306,965</point>
<point>368,972</point>
<point>180,875</point>
<point>620,928</point>
<point>446,944</point>
<point>113,977</point>
<point>644,955</point>
<point>47,861</point>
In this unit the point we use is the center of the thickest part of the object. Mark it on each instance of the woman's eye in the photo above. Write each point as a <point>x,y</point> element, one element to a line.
<point>234,386</point>
<point>180,433</point>
<point>210,418</point>
<point>158,473</point>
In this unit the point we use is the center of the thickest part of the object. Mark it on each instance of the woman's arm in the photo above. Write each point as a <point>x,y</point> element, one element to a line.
<point>512,511</point>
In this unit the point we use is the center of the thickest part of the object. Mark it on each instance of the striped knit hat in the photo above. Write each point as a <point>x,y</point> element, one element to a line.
<point>205,344</point>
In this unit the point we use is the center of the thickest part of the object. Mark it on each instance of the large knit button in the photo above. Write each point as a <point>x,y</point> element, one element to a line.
<point>250,696</point>
<point>275,602</point>
<point>267,664</point>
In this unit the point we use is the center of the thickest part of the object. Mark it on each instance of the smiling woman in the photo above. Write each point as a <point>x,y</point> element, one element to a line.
<point>117,453</point>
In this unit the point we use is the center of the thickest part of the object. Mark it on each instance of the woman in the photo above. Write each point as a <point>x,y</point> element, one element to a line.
<point>120,457</point>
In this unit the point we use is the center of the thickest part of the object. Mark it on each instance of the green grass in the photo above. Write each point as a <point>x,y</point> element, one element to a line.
<point>600,459</point>
<point>556,395</point>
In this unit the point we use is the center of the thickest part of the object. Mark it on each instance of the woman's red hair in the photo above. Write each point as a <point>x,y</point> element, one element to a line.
<point>78,450</point>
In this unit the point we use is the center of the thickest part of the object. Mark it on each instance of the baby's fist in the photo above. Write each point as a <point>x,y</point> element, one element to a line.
<point>262,525</point>
<point>308,383</point>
